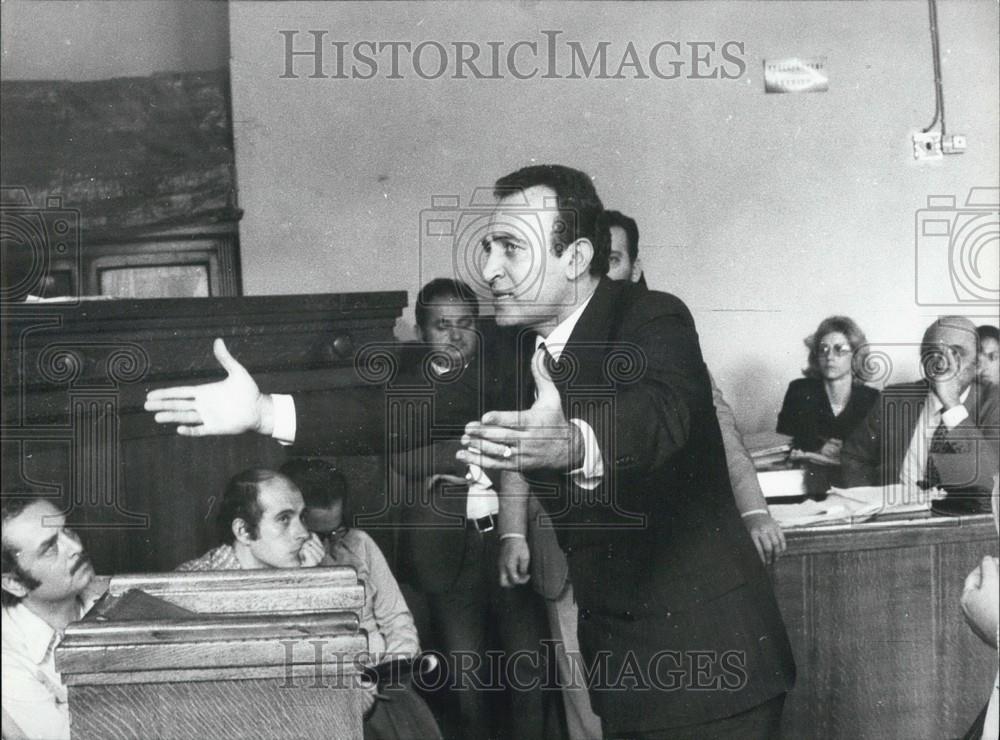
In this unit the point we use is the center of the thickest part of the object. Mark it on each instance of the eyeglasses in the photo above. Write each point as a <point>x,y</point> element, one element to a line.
<point>332,535</point>
<point>837,350</point>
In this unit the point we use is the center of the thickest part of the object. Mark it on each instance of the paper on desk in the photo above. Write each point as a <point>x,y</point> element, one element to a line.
<point>855,505</point>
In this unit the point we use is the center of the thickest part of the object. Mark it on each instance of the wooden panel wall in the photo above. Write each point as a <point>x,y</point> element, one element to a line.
<point>75,377</point>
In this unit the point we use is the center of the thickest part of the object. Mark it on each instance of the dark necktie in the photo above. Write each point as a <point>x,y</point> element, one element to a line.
<point>939,444</point>
<point>551,365</point>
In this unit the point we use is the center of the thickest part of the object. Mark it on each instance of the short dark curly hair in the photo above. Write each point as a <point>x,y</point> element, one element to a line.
<point>580,207</point>
<point>13,505</point>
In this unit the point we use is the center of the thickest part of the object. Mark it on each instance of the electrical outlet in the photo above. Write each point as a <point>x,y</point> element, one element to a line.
<point>954,144</point>
<point>927,145</point>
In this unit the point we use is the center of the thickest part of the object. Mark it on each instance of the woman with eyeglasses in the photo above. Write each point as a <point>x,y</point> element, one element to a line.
<point>823,408</point>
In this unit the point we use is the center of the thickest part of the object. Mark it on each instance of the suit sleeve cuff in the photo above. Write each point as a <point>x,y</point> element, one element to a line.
<point>591,473</point>
<point>284,418</point>
<point>955,416</point>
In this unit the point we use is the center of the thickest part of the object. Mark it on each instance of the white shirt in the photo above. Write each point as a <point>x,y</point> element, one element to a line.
<point>914,466</point>
<point>33,693</point>
<point>481,499</point>
<point>590,474</point>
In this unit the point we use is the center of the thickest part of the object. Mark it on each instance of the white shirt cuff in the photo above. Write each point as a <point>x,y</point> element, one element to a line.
<point>954,416</point>
<point>591,473</point>
<point>284,418</point>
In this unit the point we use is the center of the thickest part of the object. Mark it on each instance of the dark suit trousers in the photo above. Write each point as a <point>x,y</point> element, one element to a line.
<point>760,723</point>
<point>475,616</point>
<point>400,714</point>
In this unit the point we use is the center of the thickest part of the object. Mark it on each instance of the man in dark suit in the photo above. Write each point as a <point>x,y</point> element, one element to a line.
<point>677,616</point>
<point>943,431</point>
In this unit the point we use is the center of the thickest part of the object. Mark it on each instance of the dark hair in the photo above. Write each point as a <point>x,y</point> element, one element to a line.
<point>988,331</point>
<point>11,508</point>
<point>322,485</point>
<point>443,288</point>
<point>859,344</point>
<point>579,207</point>
<point>242,501</point>
<point>629,226</point>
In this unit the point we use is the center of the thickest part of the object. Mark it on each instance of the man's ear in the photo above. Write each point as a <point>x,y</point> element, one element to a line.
<point>637,269</point>
<point>241,531</point>
<point>12,585</point>
<point>581,255</point>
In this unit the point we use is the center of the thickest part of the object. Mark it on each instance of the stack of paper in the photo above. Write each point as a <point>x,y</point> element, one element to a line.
<point>855,505</point>
<point>767,448</point>
<point>782,483</point>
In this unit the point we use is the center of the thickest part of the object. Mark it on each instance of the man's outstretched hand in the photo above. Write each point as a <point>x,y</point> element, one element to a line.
<point>540,438</point>
<point>231,406</point>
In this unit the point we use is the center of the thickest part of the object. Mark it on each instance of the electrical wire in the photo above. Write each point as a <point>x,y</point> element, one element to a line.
<point>938,92</point>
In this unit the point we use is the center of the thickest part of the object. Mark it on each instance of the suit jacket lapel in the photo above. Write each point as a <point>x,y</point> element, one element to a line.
<point>589,342</point>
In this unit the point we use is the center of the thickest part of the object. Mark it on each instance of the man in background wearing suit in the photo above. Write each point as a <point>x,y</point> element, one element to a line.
<point>623,260</point>
<point>448,536</point>
<point>624,449</point>
<point>943,431</point>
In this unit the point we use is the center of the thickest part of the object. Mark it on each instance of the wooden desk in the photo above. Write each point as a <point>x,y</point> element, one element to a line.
<point>262,654</point>
<point>873,614</point>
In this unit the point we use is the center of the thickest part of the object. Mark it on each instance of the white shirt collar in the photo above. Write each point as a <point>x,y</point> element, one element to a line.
<point>935,402</point>
<point>556,341</point>
<point>441,369</point>
<point>34,633</point>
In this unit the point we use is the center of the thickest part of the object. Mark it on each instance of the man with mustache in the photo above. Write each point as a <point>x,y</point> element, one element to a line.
<point>47,583</point>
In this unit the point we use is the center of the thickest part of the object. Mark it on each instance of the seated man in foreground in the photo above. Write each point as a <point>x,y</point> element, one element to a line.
<point>940,432</point>
<point>262,522</point>
<point>47,583</point>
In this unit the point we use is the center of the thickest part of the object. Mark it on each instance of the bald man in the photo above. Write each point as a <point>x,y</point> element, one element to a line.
<point>942,431</point>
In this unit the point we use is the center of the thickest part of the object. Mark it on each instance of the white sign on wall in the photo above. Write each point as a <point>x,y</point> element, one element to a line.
<point>795,74</point>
